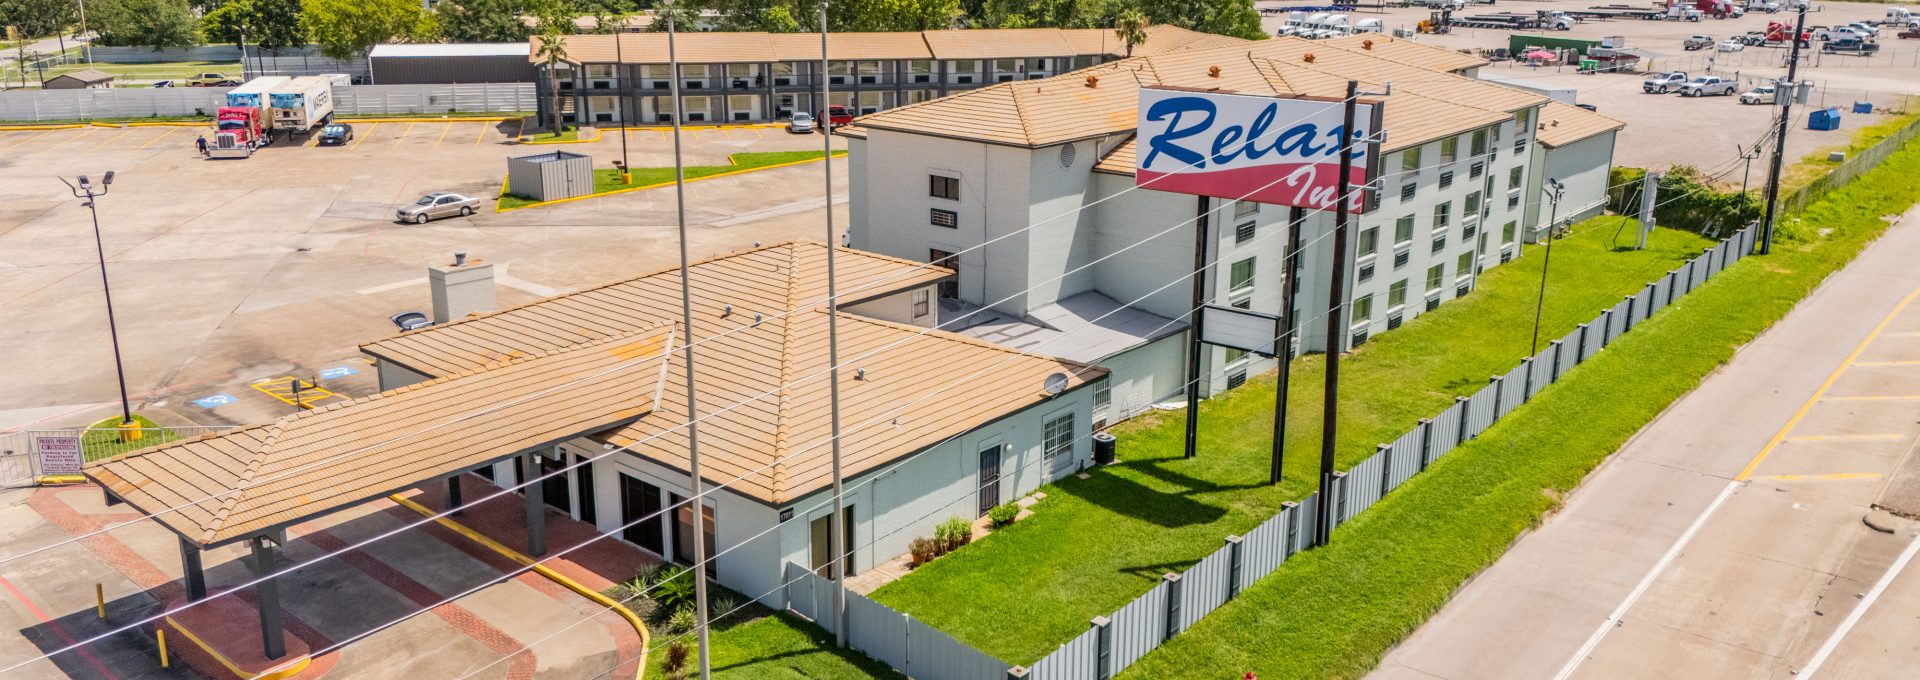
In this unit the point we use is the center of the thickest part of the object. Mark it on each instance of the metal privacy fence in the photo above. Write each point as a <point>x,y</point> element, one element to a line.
<point>1112,643</point>
<point>89,104</point>
<point>914,648</point>
<point>24,453</point>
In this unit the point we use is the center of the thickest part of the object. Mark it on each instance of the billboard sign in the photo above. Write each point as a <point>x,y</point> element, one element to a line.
<point>58,455</point>
<point>1239,328</point>
<point>1278,150</point>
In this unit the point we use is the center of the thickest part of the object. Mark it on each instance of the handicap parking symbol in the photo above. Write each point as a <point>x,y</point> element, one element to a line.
<point>337,372</point>
<point>214,400</point>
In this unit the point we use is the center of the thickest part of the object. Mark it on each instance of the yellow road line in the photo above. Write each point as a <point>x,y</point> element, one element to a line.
<point>1879,437</point>
<point>403,135</point>
<point>443,135</point>
<point>1879,397</point>
<point>83,133</point>
<point>282,389</point>
<point>285,669</point>
<point>1827,477</point>
<point>163,135</point>
<point>1889,363</point>
<point>1747,472</point>
<point>615,606</point>
<point>116,138</point>
<point>359,139</point>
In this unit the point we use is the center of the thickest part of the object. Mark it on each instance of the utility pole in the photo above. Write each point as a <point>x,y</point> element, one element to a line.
<point>698,509</point>
<point>86,45</point>
<point>838,524</point>
<point>1649,195</point>
<point>1746,169</point>
<point>1555,190</point>
<point>1283,343</point>
<point>1785,92</point>
<point>1336,331</point>
<point>620,62</point>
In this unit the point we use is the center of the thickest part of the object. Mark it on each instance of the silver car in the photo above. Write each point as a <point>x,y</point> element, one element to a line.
<point>801,123</point>
<point>438,204</point>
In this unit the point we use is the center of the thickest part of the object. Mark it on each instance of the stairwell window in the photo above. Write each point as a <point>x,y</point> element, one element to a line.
<point>1245,208</point>
<point>1362,309</point>
<point>1410,161</point>
<point>922,303</point>
<point>1515,176</point>
<point>1443,215</point>
<point>1507,232</point>
<point>1240,282</point>
<point>1465,266</point>
<point>1479,142</point>
<point>943,187</point>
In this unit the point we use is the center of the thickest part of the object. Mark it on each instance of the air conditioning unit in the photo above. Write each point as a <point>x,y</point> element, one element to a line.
<point>920,78</point>
<point>1366,271</point>
<point>867,80</point>
<point>742,115</point>
<point>783,113</point>
<point>782,81</point>
<point>1359,339</point>
<point>662,85</point>
<point>964,80</point>
<point>1400,258</point>
<point>1433,303</point>
<point>739,84</point>
<point>696,116</point>
<point>663,118</point>
<point>694,84</point>
<point>837,80</point>
<point>1393,322</point>
<point>1463,289</point>
<point>1004,78</point>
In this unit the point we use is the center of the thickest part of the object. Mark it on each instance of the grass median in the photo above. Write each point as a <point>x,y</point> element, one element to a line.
<point>1333,612</point>
<point>1094,544</point>
<point>607,180</point>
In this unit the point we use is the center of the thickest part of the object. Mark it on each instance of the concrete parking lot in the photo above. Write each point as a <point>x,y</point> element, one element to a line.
<point>230,272</point>
<point>1666,130</point>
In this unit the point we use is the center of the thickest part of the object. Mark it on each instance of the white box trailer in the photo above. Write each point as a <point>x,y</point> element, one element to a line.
<point>253,93</point>
<point>302,103</point>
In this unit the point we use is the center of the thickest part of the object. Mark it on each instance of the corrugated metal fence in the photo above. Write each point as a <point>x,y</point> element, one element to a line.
<point>1113,643</point>
<point>914,648</point>
<point>125,102</point>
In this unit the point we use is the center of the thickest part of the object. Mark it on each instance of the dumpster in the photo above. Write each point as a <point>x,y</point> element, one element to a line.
<point>1863,107</point>
<point>1824,119</point>
<point>1103,448</point>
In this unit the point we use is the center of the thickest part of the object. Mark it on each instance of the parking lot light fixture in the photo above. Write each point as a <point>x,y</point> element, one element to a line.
<point>86,192</point>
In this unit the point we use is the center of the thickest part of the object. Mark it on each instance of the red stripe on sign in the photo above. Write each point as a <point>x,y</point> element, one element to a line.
<point>1301,185</point>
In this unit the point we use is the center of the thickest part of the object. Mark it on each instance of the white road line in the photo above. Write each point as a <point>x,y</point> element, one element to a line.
<point>1646,582</point>
<point>1853,617</point>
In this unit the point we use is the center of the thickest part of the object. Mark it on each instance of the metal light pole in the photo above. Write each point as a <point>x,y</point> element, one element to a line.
<point>1554,190</point>
<point>1780,135</point>
<point>620,62</point>
<point>85,190</point>
<point>698,510</point>
<point>837,526</point>
<point>86,46</point>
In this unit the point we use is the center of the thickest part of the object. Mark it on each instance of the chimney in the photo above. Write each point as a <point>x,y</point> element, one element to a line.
<point>460,288</point>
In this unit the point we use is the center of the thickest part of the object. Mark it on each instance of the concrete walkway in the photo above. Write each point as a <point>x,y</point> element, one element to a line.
<point>1726,539</point>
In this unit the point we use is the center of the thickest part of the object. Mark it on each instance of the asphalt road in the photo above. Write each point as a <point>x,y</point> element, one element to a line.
<point>1726,540</point>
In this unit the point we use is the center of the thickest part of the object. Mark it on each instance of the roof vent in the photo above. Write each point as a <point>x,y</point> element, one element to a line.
<point>459,258</point>
<point>1556,123</point>
<point>1213,71</point>
<point>1093,81</point>
<point>726,311</point>
<point>859,374</point>
<point>756,318</point>
<point>1308,57</point>
<point>1366,45</point>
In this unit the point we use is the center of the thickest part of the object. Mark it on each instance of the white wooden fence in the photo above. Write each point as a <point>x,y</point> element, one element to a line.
<point>92,104</point>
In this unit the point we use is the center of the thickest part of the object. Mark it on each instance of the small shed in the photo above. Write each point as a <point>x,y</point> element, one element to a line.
<point>550,176</point>
<point>79,80</point>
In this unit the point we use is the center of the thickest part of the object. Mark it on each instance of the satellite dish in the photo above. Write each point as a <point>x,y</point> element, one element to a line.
<point>1056,383</point>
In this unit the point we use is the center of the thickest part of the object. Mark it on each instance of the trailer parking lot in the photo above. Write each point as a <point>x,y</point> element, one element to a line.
<point>1665,130</point>
<point>228,272</point>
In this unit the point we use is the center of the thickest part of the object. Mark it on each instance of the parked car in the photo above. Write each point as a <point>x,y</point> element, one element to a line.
<point>1698,42</point>
<point>1662,83</point>
<point>163,83</point>
<point>1911,35</point>
<point>212,80</point>
<point>801,123</point>
<point>436,205</point>
<point>1864,28</point>
<point>1707,86</point>
<point>335,134</point>
<point>837,115</point>
<point>1850,46</point>
<point>1839,33</point>
<point>1731,45</point>
<point>410,321</point>
<point>1759,95</point>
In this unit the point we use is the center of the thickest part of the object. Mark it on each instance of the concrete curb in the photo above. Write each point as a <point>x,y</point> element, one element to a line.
<point>633,619</point>
<point>443,119</point>
<point>596,137</point>
<point>32,128</point>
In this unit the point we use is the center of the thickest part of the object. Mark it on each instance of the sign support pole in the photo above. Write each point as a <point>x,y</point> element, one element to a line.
<point>1193,331</point>
<point>1283,343</point>
<point>1336,334</point>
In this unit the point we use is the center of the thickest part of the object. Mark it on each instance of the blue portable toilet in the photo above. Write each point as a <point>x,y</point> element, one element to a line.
<point>1863,107</point>
<point>1824,119</point>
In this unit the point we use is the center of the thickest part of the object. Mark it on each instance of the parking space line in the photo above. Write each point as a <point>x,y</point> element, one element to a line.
<point>29,139</point>
<point>69,139</point>
<point>1853,617</point>
<point>443,137</point>
<point>403,137</point>
<point>163,135</point>
<point>362,139</point>
<point>116,138</point>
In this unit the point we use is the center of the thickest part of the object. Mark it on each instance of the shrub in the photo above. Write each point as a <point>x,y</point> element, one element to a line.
<point>923,550</point>
<point>953,533</point>
<point>1004,514</point>
<point>683,620</point>
<point>674,589</point>
<point>677,652</point>
<point>719,604</point>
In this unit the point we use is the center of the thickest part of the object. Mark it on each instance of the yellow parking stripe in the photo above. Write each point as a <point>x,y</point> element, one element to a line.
<point>443,137</point>
<point>69,139</point>
<point>282,389</point>
<point>480,137</point>
<point>359,139</point>
<point>115,138</point>
<point>403,135</point>
<point>163,135</point>
<point>29,139</point>
<point>1827,477</point>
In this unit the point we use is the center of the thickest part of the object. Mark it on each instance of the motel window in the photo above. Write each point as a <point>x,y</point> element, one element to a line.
<point>1245,208</point>
<point>1240,279</point>
<point>1472,206</point>
<point>1436,275</point>
<point>1397,294</point>
<point>922,303</point>
<point>1102,402</point>
<point>1370,241</point>
<point>1506,232</point>
<point>1449,148</point>
<point>1403,230</point>
<point>1479,142</point>
<point>1362,309</point>
<point>1410,160</point>
<point>1466,264</point>
<point>1514,176</point>
<point>1057,438</point>
<point>1521,120</point>
<point>1006,65</point>
<point>1443,215</point>
<point>944,187</point>
<point>966,66</point>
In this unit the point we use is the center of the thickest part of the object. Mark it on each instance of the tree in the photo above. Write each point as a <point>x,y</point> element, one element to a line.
<point>483,20</point>
<point>1131,28</point>
<point>551,48</point>
<point>158,24</point>
<point>346,29</point>
<point>36,18</point>
<point>268,24</point>
<point>1225,17</point>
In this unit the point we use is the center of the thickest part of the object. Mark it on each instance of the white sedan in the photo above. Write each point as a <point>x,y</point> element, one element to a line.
<point>1731,45</point>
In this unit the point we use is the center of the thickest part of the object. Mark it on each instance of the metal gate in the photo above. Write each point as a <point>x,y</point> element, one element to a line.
<point>16,460</point>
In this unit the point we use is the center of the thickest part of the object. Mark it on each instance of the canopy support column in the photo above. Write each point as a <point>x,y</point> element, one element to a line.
<point>453,491</point>
<point>266,556</point>
<point>536,496</point>
<point>196,574</point>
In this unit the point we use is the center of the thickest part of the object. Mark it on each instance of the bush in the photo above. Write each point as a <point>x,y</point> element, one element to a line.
<point>923,550</point>
<point>683,620</point>
<point>953,533</point>
<point>677,652</point>
<point>720,604</point>
<point>1004,514</point>
<point>674,589</point>
<point>1686,201</point>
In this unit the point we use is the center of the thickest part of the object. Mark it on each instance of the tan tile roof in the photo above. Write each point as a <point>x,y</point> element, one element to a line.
<point>1001,43</point>
<point>1430,57</point>
<point>850,46</point>
<point>767,441</point>
<point>314,462</point>
<point>710,48</point>
<point>1426,104</point>
<point>1561,124</point>
<point>651,48</point>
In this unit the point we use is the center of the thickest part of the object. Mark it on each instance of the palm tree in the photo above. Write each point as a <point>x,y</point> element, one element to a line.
<point>553,51</point>
<point>1131,28</point>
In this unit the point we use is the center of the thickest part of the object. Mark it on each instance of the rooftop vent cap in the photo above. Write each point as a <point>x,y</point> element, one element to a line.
<point>859,374</point>
<point>726,311</point>
<point>1213,71</point>
<point>1093,81</point>
<point>460,258</point>
<point>1308,57</point>
<point>1366,45</point>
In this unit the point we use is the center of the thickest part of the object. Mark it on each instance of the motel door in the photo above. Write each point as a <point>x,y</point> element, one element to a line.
<point>989,479</point>
<point>639,499</point>
<point>949,288</point>
<point>822,545</point>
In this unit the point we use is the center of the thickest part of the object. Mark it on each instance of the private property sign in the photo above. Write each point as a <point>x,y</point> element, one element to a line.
<point>1278,150</point>
<point>58,455</point>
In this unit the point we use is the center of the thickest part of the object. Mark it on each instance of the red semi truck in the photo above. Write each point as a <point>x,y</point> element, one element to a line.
<point>241,129</point>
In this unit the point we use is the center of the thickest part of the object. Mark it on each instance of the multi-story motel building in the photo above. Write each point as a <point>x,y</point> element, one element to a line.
<point>753,77</point>
<point>1027,190</point>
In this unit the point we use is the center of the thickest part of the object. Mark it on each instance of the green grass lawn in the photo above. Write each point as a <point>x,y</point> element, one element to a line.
<point>767,646</point>
<point>1332,613</point>
<point>143,75</point>
<point>567,133</point>
<point>608,179</point>
<point>1095,544</point>
<point>102,439</point>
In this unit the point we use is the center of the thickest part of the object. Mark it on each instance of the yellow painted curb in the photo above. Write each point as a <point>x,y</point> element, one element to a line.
<point>596,137</point>
<point>633,619</point>
<point>29,128</point>
<point>741,126</point>
<point>171,123</point>
<point>46,480</point>
<point>655,185</point>
<point>290,669</point>
<point>115,126</point>
<point>443,119</point>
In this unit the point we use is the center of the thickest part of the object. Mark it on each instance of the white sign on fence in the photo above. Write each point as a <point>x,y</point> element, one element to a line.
<point>1239,329</point>
<point>59,455</point>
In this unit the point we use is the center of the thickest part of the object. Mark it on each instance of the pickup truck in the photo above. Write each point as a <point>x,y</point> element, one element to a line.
<point>1705,86</point>
<point>211,80</point>
<point>1851,46</point>
<point>1664,82</point>
<point>1698,42</point>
